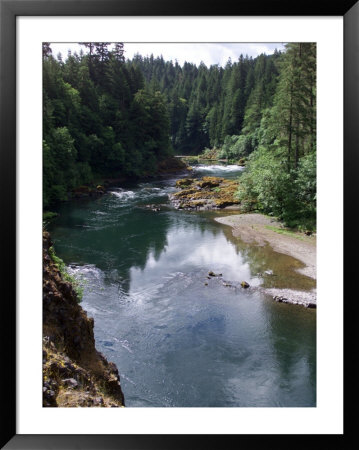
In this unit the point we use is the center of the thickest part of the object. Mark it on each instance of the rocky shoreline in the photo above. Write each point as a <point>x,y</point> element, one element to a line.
<point>260,230</point>
<point>215,193</point>
<point>75,374</point>
<point>307,299</point>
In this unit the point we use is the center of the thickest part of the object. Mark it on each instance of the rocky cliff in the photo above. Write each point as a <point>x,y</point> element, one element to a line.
<point>74,372</point>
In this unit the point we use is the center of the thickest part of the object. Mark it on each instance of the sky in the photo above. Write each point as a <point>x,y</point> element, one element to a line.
<point>196,53</point>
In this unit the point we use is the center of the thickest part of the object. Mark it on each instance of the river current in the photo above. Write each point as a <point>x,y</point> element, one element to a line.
<point>179,338</point>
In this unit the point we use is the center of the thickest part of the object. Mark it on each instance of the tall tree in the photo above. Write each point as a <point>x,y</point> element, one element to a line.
<point>293,113</point>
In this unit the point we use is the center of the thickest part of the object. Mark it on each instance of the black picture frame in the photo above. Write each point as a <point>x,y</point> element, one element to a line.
<point>9,10</point>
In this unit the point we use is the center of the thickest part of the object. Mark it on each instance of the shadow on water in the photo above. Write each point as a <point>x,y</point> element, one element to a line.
<point>117,240</point>
<point>114,240</point>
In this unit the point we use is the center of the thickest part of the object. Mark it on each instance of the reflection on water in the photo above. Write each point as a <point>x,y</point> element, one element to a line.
<point>282,270</point>
<point>178,336</point>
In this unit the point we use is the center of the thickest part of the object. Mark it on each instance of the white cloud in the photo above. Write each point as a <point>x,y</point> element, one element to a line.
<point>209,53</point>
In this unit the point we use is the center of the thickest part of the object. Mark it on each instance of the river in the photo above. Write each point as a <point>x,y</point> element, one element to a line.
<point>178,338</point>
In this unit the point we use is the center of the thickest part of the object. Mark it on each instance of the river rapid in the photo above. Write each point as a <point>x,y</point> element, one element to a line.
<point>179,338</point>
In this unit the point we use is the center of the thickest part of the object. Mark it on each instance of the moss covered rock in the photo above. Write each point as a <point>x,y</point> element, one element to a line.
<point>209,182</point>
<point>205,193</point>
<point>184,182</point>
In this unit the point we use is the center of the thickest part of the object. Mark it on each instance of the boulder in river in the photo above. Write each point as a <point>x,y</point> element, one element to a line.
<point>212,274</point>
<point>205,193</point>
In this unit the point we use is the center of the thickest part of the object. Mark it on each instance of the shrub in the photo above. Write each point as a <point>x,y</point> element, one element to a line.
<point>59,263</point>
<point>236,147</point>
<point>291,196</point>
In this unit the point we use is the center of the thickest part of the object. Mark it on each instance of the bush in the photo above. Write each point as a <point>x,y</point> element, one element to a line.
<point>47,216</point>
<point>58,192</point>
<point>306,190</point>
<point>291,196</point>
<point>236,147</point>
<point>59,263</point>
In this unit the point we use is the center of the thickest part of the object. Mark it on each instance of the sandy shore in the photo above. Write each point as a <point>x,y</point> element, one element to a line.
<point>257,228</point>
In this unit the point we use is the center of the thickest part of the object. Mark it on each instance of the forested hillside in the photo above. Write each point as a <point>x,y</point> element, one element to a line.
<point>104,115</point>
<point>98,120</point>
<point>208,104</point>
<point>281,173</point>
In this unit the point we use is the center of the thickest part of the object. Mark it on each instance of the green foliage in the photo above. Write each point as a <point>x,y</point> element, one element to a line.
<point>99,121</point>
<point>236,147</point>
<point>65,275</point>
<point>267,186</point>
<point>280,178</point>
<point>285,232</point>
<point>208,103</point>
<point>104,116</point>
<point>306,191</point>
<point>49,215</point>
<point>210,154</point>
<point>265,182</point>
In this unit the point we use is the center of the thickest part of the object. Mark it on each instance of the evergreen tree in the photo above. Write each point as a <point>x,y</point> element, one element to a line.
<point>109,116</point>
<point>98,120</point>
<point>281,175</point>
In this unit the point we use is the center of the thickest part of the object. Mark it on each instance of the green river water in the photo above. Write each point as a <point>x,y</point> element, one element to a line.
<point>176,341</point>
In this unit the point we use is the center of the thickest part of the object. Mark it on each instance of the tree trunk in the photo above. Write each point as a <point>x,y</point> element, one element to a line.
<point>290,128</point>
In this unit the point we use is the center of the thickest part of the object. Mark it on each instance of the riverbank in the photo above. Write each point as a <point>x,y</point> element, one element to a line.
<point>75,374</point>
<point>166,168</point>
<point>258,229</point>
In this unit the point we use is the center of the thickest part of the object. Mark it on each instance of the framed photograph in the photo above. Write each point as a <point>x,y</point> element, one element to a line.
<point>262,119</point>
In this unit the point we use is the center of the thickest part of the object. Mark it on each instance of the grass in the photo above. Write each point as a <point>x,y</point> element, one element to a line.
<point>285,232</point>
<point>59,263</point>
<point>85,376</point>
<point>48,215</point>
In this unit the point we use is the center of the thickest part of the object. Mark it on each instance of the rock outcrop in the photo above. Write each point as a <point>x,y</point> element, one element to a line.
<point>74,372</point>
<point>172,165</point>
<point>205,193</point>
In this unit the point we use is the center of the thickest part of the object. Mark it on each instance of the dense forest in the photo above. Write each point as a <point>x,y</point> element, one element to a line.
<point>107,116</point>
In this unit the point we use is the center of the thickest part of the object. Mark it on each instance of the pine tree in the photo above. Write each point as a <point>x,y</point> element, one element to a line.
<point>293,113</point>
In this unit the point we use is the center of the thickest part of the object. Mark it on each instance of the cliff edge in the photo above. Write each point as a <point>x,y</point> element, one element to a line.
<point>75,374</point>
